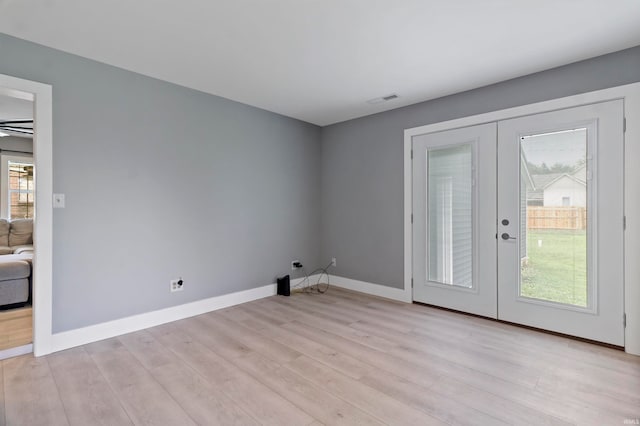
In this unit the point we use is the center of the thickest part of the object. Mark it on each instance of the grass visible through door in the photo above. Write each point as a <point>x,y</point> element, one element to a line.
<point>555,268</point>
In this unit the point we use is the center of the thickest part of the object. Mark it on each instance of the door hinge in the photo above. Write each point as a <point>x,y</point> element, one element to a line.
<point>624,320</point>
<point>411,217</point>
<point>624,125</point>
<point>411,282</point>
<point>412,154</point>
<point>624,223</point>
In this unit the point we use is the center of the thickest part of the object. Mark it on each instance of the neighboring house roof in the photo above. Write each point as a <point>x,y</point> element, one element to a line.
<point>567,175</point>
<point>539,183</point>
<point>581,174</point>
<point>542,182</point>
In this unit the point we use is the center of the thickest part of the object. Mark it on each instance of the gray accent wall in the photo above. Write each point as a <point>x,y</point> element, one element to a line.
<point>163,182</point>
<point>362,161</point>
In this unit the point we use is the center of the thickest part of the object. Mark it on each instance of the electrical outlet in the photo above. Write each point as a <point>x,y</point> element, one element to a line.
<point>177,285</point>
<point>296,264</point>
<point>333,262</point>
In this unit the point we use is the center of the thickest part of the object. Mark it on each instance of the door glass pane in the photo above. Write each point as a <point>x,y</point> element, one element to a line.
<point>553,206</point>
<point>450,215</point>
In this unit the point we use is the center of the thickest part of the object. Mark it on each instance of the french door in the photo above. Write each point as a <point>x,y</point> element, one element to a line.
<point>521,220</point>
<point>454,217</point>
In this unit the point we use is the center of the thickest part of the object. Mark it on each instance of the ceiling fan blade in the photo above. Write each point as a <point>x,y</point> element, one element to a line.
<point>9,126</point>
<point>21,121</point>
<point>17,130</point>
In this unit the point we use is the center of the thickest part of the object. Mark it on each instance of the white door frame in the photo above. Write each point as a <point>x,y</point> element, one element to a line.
<point>631,95</point>
<point>41,95</point>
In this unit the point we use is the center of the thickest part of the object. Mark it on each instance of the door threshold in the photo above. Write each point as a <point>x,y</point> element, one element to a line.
<point>541,330</point>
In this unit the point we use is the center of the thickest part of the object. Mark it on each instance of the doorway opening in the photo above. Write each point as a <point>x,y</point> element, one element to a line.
<point>31,196</point>
<point>17,208</point>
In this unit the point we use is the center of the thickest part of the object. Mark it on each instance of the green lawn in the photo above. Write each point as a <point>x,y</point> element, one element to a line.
<point>556,269</point>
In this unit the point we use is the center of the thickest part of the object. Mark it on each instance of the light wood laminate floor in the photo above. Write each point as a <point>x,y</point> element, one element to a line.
<point>337,358</point>
<point>16,327</point>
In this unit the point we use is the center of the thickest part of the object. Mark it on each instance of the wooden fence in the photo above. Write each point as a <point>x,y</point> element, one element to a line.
<point>556,217</point>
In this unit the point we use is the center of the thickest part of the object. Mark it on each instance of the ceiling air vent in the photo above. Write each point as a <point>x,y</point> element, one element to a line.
<point>383,99</point>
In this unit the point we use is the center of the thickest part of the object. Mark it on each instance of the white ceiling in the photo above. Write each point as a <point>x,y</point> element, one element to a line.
<point>321,60</point>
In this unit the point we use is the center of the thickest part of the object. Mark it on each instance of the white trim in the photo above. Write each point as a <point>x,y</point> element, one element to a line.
<point>106,330</point>
<point>408,211</point>
<point>631,95</point>
<point>520,111</point>
<point>632,212</point>
<point>371,288</point>
<point>20,350</point>
<point>41,95</point>
<point>109,329</point>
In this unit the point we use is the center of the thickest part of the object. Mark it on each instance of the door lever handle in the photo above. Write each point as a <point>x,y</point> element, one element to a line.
<point>505,236</point>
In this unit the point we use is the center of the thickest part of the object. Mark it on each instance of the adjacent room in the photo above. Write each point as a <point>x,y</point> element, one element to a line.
<point>283,213</point>
<point>17,196</point>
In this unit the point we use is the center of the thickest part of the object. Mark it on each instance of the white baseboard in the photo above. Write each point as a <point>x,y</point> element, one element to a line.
<point>106,330</point>
<point>373,289</point>
<point>20,350</point>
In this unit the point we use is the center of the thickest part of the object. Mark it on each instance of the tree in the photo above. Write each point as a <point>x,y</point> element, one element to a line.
<point>544,169</point>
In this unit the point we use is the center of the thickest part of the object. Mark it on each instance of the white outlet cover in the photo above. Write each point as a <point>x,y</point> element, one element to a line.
<point>58,201</point>
<point>175,287</point>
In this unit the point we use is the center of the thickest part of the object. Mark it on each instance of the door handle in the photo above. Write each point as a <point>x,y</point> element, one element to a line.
<point>505,236</point>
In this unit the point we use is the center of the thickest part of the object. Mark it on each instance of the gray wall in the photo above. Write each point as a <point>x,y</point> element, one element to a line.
<point>164,182</point>
<point>362,161</point>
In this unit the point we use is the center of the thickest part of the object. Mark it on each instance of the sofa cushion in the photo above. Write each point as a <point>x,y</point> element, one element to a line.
<point>4,232</point>
<point>27,257</point>
<point>22,249</point>
<point>6,250</point>
<point>14,291</point>
<point>14,269</point>
<point>21,232</point>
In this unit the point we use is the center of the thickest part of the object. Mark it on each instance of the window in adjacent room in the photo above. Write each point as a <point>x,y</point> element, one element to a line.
<point>18,190</point>
<point>21,194</point>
